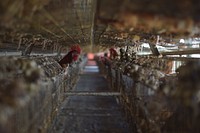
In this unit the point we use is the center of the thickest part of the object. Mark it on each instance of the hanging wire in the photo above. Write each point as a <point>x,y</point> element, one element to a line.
<point>50,17</point>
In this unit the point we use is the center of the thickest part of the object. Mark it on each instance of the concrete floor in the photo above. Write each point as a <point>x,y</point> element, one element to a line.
<point>90,114</point>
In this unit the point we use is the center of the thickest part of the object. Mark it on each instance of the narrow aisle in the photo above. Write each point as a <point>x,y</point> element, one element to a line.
<point>91,114</point>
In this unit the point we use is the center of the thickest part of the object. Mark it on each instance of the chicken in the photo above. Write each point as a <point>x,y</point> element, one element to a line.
<point>113,53</point>
<point>69,58</point>
<point>105,60</point>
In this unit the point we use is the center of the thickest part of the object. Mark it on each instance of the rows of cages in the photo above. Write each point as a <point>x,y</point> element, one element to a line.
<point>158,94</point>
<point>31,91</point>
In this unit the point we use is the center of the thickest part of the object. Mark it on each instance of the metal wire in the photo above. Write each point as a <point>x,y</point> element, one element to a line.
<point>86,93</point>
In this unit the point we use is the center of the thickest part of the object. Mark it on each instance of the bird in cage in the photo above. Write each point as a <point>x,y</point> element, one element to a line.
<point>71,56</point>
<point>113,53</point>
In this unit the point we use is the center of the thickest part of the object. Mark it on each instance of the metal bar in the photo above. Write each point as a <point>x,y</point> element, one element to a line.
<point>154,49</point>
<point>84,93</point>
<point>182,52</point>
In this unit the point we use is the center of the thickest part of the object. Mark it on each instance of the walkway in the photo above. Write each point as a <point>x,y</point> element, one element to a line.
<point>91,114</point>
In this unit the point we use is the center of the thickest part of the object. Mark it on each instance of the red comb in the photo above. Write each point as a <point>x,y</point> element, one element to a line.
<point>76,47</point>
<point>111,49</point>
